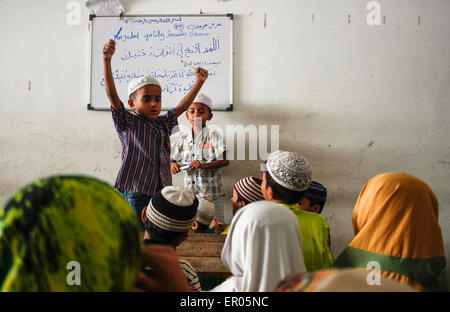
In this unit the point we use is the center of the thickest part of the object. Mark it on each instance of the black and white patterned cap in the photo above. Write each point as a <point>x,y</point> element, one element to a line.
<point>290,170</point>
<point>173,209</point>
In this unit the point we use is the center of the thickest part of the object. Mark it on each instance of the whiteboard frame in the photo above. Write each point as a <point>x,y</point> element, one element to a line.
<point>119,17</point>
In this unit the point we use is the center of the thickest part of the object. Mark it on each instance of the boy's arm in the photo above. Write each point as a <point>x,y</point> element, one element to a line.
<point>111,92</point>
<point>211,165</point>
<point>187,100</point>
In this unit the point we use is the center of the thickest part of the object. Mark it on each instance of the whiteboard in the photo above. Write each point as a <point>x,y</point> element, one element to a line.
<point>155,46</point>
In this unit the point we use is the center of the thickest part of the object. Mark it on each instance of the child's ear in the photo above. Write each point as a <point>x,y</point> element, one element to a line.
<point>210,116</point>
<point>241,204</point>
<point>131,103</point>
<point>195,226</point>
<point>144,214</point>
<point>270,193</point>
<point>315,208</point>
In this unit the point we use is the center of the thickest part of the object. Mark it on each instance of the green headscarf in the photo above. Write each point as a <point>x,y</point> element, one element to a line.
<point>63,231</point>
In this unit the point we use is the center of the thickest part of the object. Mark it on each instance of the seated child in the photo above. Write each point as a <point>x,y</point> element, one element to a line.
<point>286,176</point>
<point>205,215</point>
<point>245,191</point>
<point>68,233</point>
<point>204,151</point>
<point>167,220</point>
<point>396,223</point>
<point>314,201</point>
<point>314,198</point>
<point>263,246</point>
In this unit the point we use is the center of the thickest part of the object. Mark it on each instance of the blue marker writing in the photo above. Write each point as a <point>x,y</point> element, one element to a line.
<point>117,35</point>
<point>115,39</point>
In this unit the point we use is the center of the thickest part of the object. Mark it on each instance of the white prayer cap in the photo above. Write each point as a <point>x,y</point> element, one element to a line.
<point>137,83</point>
<point>206,210</point>
<point>290,170</point>
<point>204,99</point>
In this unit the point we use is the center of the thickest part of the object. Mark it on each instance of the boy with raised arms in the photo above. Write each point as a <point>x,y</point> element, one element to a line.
<point>144,135</point>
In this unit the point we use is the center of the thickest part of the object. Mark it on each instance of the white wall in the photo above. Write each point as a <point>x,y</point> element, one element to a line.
<point>356,100</point>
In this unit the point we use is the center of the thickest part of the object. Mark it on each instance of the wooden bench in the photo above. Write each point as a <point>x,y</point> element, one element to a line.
<point>203,252</point>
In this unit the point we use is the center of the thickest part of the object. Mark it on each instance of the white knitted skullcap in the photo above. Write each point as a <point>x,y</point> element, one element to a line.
<point>137,83</point>
<point>290,170</point>
<point>204,99</point>
<point>178,196</point>
<point>206,210</point>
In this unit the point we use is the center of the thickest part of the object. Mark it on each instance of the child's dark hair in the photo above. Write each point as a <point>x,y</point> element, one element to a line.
<point>313,202</point>
<point>316,195</point>
<point>159,234</point>
<point>281,193</point>
<point>240,199</point>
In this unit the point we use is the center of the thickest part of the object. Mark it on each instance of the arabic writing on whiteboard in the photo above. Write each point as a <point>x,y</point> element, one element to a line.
<point>168,48</point>
<point>169,38</point>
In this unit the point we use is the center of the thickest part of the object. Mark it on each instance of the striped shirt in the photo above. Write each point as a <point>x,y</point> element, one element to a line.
<point>145,143</point>
<point>191,274</point>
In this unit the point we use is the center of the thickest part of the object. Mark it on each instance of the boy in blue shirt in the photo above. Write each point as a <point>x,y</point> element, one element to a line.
<point>144,135</point>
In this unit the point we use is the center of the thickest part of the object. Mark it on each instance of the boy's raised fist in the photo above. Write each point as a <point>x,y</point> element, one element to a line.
<point>109,49</point>
<point>201,74</point>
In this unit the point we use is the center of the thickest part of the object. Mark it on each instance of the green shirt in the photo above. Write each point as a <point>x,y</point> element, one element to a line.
<point>315,239</point>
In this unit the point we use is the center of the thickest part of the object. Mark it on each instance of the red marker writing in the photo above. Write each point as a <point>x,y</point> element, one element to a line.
<point>188,65</point>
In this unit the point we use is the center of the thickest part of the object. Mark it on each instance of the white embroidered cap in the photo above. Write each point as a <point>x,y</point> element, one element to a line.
<point>137,83</point>
<point>290,170</point>
<point>206,210</point>
<point>204,99</point>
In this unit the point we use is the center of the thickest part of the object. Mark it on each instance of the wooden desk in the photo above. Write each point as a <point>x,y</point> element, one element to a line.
<point>203,252</point>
